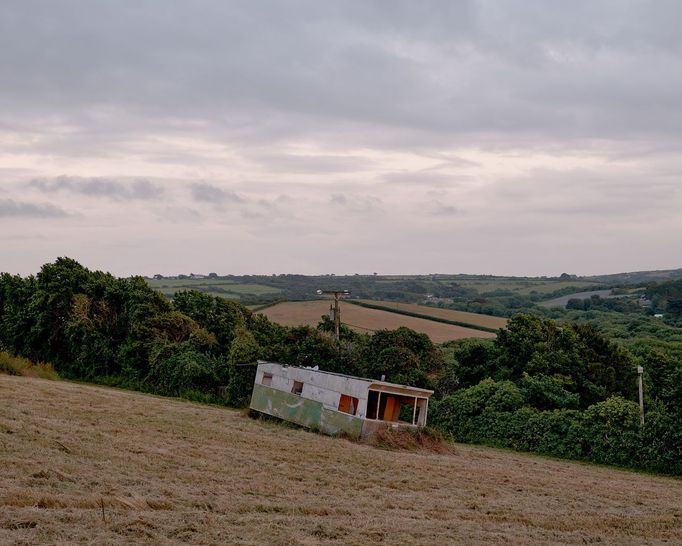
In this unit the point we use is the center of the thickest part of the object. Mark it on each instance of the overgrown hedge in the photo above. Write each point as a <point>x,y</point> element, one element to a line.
<point>608,432</point>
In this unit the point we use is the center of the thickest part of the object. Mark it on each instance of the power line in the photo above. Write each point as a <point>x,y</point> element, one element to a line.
<point>361,327</point>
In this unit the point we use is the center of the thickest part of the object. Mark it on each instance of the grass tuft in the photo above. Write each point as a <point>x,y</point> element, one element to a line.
<point>423,439</point>
<point>16,365</point>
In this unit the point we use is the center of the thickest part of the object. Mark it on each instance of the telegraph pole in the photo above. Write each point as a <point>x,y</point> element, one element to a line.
<point>640,372</point>
<point>337,310</point>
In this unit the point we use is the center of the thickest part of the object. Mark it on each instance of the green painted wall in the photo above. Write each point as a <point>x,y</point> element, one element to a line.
<point>308,413</point>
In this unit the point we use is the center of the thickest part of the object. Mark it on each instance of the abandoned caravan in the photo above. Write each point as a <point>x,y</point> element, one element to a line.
<point>334,403</point>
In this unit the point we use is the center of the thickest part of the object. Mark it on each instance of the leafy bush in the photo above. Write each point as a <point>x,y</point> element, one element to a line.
<point>455,411</point>
<point>242,369</point>
<point>180,367</point>
<point>469,361</point>
<point>608,432</point>
<point>548,392</point>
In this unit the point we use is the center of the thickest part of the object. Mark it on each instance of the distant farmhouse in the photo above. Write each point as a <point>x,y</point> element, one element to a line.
<point>335,403</point>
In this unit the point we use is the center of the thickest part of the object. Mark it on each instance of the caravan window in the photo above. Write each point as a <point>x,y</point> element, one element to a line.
<point>348,404</point>
<point>297,388</point>
<point>267,379</point>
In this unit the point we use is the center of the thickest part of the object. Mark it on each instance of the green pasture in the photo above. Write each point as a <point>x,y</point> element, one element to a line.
<point>524,286</point>
<point>217,287</point>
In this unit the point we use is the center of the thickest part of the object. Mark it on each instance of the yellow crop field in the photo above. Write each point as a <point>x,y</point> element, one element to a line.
<point>92,465</point>
<point>363,319</point>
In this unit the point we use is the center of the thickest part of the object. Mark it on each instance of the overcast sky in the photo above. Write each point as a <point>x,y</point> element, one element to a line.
<point>498,137</point>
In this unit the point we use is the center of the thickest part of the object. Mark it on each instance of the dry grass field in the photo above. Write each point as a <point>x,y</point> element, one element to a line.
<point>449,314</point>
<point>363,319</point>
<point>89,465</point>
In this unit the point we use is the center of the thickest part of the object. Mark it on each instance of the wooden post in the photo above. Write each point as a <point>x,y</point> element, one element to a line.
<point>337,316</point>
<point>378,406</point>
<point>414,410</point>
<point>337,311</point>
<point>640,372</point>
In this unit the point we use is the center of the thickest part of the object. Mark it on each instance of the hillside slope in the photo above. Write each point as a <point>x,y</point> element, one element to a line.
<point>96,465</point>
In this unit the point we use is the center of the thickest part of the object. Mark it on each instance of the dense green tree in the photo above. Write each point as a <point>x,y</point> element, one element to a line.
<point>402,355</point>
<point>218,315</point>
<point>662,364</point>
<point>177,367</point>
<point>469,361</point>
<point>666,297</point>
<point>305,346</point>
<point>242,366</point>
<point>16,319</point>
<point>50,310</point>
<point>591,365</point>
<point>548,392</point>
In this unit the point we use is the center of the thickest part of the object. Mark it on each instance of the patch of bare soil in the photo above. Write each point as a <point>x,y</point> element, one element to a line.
<point>82,464</point>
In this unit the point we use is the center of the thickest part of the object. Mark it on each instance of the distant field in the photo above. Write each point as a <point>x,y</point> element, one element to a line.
<point>557,285</point>
<point>448,314</point>
<point>264,288</point>
<point>90,465</point>
<point>362,319</point>
<point>563,300</point>
<point>523,286</point>
<point>216,287</point>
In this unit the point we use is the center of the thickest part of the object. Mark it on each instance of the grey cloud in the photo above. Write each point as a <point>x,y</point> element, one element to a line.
<point>617,195</point>
<point>208,193</point>
<point>356,204</point>
<point>20,209</point>
<point>471,72</point>
<point>180,215</point>
<point>300,163</point>
<point>442,209</point>
<point>99,187</point>
<point>144,189</point>
<point>425,178</point>
<point>338,199</point>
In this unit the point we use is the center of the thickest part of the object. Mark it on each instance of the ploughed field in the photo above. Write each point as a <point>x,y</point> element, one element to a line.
<point>84,464</point>
<point>362,319</point>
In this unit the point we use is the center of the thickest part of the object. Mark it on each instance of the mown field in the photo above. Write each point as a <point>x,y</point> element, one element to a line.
<point>363,319</point>
<point>487,321</point>
<point>90,465</point>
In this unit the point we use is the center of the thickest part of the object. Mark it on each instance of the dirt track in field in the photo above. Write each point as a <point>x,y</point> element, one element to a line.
<point>171,472</point>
